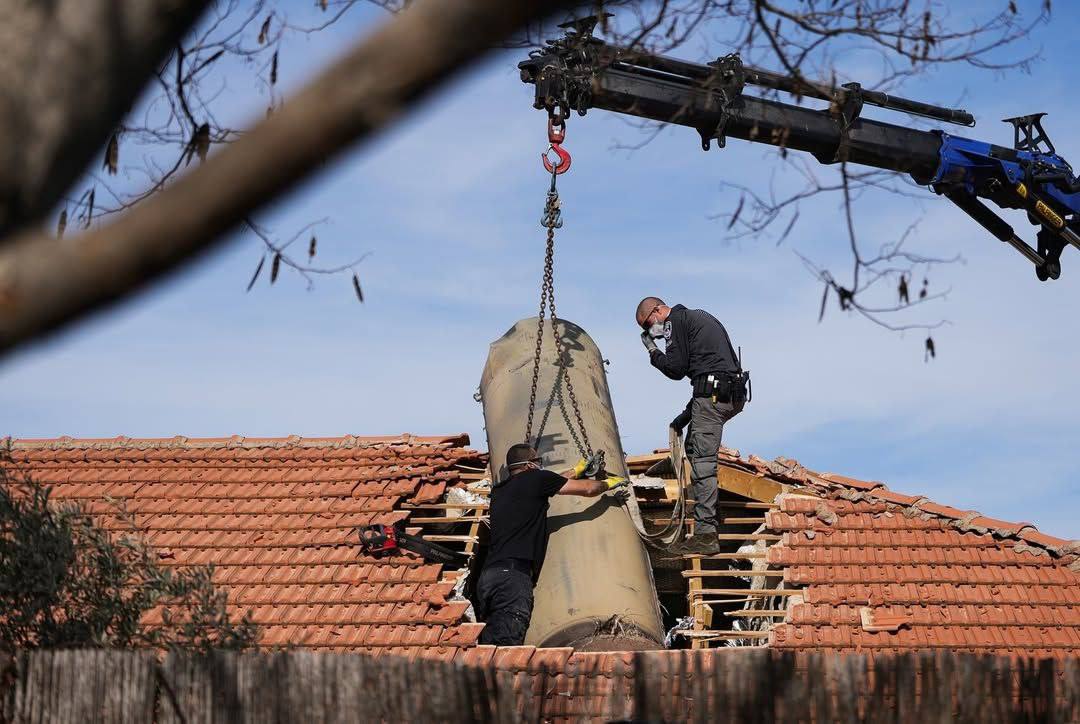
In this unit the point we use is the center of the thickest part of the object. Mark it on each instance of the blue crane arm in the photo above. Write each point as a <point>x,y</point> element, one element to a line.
<point>579,72</point>
<point>1030,176</point>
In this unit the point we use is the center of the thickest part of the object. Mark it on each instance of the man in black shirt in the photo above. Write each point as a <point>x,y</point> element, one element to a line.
<point>519,535</point>
<point>697,346</point>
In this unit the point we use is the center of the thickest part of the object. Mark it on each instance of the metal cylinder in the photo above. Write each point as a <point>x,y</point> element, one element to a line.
<point>596,589</point>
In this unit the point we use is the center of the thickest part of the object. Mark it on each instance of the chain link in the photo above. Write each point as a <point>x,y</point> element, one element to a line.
<point>548,265</point>
<point>552,220</point>
<point>563,358</point>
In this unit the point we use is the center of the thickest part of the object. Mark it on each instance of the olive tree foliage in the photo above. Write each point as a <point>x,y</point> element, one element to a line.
<point>137,193</point>
<point>66,582</point>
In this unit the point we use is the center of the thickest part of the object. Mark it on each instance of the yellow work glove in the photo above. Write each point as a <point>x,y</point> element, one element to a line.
<point>615,481</point>
<point>580,467</point>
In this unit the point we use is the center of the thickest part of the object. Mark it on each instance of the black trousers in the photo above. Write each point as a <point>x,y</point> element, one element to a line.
<point>505,603</point>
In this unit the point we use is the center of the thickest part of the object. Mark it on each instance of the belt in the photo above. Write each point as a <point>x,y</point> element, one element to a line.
<point>518,564</point>
<point>733,387</point>
<point>720,385</point>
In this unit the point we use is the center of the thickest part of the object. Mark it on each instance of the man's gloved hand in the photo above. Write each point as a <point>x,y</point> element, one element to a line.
<point>681,421</point>
<point>580,467</point>
<point>647,340</point>
<point>616,481</point>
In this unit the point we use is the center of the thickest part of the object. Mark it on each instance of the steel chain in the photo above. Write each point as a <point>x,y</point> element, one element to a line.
<point>552,220</point>
<point>562,359</point>
<point>548,265</point>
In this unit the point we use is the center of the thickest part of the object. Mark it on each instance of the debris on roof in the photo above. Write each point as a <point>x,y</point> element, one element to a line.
<point>857,566</point>
<point>877,622</point>
<point>892,573</point>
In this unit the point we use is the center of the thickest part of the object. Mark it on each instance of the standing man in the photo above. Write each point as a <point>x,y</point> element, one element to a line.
<point>697,346</point>
<point>519,537</point>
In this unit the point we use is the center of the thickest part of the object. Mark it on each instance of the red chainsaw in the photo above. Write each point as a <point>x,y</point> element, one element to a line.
<point>385,540</point>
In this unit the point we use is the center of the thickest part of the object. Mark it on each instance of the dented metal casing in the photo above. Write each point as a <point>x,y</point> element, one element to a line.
<point>596,589</point>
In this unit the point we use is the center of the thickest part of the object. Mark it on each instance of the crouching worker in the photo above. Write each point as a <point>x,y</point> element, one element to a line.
<point>519,536</point>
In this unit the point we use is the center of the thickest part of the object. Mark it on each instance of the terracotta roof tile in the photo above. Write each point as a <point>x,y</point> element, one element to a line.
<point>429,492</point>
<point>891,496</point>
<point>851,482</point>
<point>439,653</point>
<point>553,659</point>
<point>513,657</point>
<point>477,656</point>
<point>464,634</point>
<point>883,571</point>
<point>277,518</point>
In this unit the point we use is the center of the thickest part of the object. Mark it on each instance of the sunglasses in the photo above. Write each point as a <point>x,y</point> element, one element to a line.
<point>645,322</point>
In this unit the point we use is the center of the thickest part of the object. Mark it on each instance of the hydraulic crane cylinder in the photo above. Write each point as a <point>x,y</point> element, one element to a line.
<point>596,589</point>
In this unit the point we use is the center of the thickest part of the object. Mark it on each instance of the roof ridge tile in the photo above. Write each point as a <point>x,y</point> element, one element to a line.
<point>925,508</point>
<point>457,440</point>
<point>853,489</point>
<point>851,482</point>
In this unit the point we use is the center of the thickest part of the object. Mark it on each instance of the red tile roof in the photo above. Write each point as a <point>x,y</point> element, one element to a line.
<point>879,570</point>
<point>277,518</point>
<point>886,572</point>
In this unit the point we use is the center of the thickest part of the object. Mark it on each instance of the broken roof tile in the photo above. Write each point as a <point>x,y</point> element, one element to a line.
<point>883,571</point>
<point>1031,534</point>
<point>851,482</point>
<point>876,622</point>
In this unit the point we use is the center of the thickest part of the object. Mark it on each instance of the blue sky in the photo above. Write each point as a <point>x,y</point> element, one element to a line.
<point>448,205</point>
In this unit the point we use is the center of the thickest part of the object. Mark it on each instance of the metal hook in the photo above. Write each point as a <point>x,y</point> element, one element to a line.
<point>556,134</point>
<point>563,164</point>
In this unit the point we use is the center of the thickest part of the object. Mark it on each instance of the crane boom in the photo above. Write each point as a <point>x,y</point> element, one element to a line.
<point>578,72</point>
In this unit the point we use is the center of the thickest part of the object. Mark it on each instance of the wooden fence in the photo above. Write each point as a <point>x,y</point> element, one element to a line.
<point>738,686</point>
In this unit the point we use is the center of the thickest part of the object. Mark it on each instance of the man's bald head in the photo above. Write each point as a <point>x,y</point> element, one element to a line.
<point>646,307</point>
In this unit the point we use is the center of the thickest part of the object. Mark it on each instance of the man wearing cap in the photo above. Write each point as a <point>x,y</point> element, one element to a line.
<point>519,536</point>
<point>697,346</point>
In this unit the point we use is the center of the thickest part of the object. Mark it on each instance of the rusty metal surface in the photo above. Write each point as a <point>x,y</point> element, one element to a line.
<point>596,590</point>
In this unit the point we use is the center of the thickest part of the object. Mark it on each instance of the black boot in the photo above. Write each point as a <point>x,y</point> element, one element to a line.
<point>680,548</point>
<point>705,544</point>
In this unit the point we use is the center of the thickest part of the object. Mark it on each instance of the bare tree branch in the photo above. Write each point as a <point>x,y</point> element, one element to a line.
<point>88,61</point>
<point>181,123</point>
<point>804,38</point>
<point>238,44</point>
<point>305,270</point>
<point>46,283</point>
